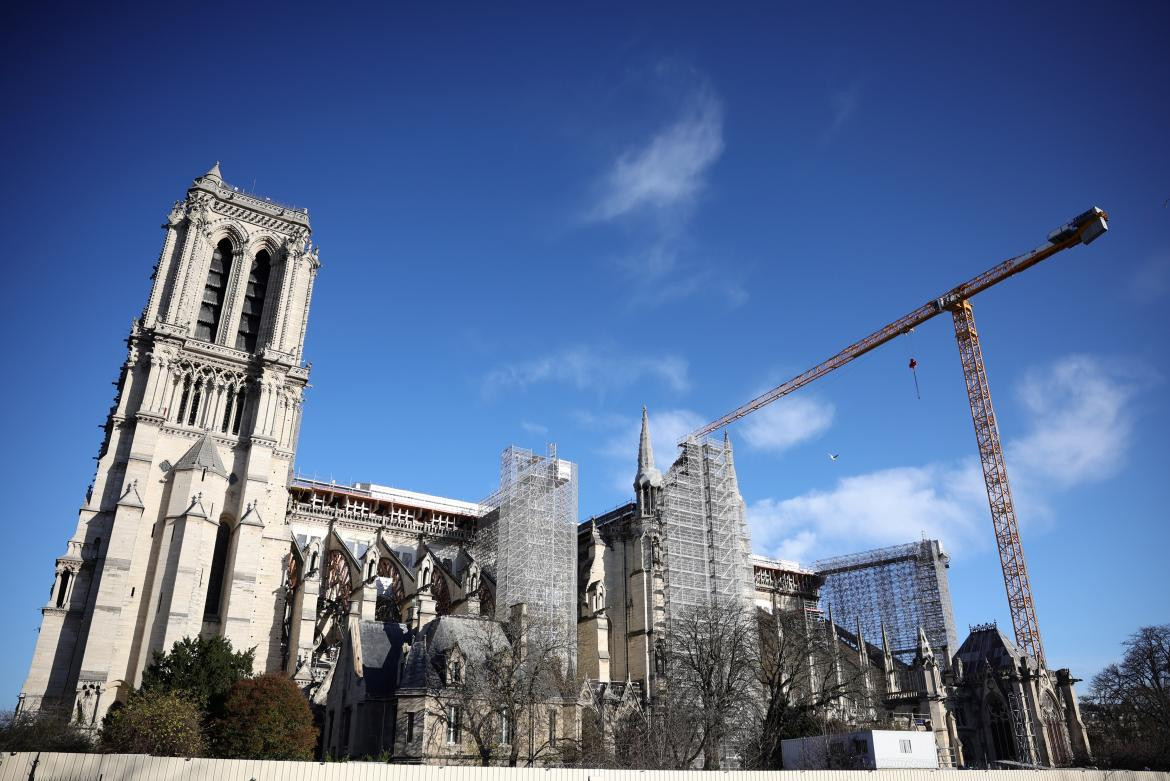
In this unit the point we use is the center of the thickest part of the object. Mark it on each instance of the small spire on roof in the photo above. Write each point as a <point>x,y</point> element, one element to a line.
<point>647,473</point>
<point>214,172</point>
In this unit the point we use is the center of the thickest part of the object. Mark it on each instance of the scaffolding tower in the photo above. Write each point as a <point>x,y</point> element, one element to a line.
<point>528,541</point>
<point>902,588</point>
<point>705,545</point>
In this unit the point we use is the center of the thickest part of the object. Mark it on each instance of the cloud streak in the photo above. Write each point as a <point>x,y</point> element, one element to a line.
<point>588,368</point>
<point>788,422</point>
<point>1080,424</point>
<point>669,171</point>
<point>653,188</point>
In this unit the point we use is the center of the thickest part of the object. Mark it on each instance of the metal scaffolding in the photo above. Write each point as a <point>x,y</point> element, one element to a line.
<point>902,587</point>
<point>706,548</point>
<point>529,541</point>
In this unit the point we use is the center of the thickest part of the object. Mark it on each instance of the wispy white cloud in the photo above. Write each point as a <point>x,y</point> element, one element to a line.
<point>844,104</point>
<point>534,428</point>
<point>877,508</point>
<point>1080,424</point>
<point>1082,420</point>
<point>788,422</point>
<point>589,368</point>
<point>654,186</point>
<point>669,170</point>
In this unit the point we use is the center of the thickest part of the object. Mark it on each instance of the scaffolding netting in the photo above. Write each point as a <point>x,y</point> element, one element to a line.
<point>706,548</point>
<point>528,541</point>
<point>903,587</point>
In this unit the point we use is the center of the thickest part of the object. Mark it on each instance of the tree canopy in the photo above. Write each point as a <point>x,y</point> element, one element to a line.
<point>202,669</point>
<point>44,731</point>
<point>266,717</point>
<point>1128,708</point>
<point>165,724</point>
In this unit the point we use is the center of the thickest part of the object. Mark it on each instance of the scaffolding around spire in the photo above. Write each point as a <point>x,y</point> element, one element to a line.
<point>706,546</point>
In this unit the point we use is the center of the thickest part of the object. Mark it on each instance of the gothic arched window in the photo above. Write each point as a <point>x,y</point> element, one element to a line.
<point>1057,733</point>
<point>218,565</point>
<point>389,606</point>
<point>248,335</point>
<point>1002,736</point>
<point>241,397</point>
<point>214,292</point>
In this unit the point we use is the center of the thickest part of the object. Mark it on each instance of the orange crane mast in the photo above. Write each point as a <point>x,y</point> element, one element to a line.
<point>1082,229</point>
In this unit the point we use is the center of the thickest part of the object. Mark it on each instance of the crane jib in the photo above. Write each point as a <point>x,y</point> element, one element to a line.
<point>902,325</point>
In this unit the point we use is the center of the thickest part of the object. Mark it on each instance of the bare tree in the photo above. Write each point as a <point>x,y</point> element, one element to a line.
<point>502,692</point>
<point>1128,708</point>
<point>806,680</point>
<point>707,684</point>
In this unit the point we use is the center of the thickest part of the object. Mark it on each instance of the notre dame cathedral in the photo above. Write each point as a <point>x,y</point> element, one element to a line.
<point>195,525</point>
<point>182,531</point>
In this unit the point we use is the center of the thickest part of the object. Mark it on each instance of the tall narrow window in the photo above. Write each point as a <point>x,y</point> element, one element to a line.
<point>196,400</point>
<point>229,397</point>
<point>454,724</point>
<point>62,592</point>
<point>241,397</point>
<point>214,292</point>
<point>183,401</point>
<point>247,337</point>
<point>218,565</point>
<point>552,728</point>
<point>505,728</point>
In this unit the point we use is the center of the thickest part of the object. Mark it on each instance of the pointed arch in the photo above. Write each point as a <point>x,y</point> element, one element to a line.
<point>218,572</point>
<point>1003,741</point>
<point>211,306</point>
<point>255,295</point>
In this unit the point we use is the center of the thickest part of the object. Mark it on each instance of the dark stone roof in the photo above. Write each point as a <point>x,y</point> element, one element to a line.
<point>991,644</point>
<point>381,656</point>
<point>202,455</point>
<point>473,635</point>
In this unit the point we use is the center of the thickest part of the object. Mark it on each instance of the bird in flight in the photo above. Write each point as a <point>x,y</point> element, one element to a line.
<point>834,456</point>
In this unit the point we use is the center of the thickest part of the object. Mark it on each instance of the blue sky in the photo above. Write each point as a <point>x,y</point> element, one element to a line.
<point>534,220</point>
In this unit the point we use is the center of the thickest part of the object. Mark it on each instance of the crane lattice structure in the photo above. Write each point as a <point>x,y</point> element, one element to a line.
<point>1083,229</point>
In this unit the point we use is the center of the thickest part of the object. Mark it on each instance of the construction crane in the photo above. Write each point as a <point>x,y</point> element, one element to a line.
<point>1082,229</point>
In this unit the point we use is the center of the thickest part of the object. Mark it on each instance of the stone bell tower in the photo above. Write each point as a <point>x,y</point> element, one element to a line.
<point>183,531</point>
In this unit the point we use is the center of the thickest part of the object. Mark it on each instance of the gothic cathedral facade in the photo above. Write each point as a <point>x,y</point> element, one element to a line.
<point>183,532</point>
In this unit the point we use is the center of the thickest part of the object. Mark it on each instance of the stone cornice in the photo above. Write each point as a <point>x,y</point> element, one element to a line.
<point>255,209</point>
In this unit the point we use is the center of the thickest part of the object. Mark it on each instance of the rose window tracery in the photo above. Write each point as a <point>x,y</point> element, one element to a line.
<point>389,605</point>
<point>338,585</point>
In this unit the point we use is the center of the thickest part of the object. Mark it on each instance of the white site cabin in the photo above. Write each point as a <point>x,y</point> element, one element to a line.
<point>864,749</point>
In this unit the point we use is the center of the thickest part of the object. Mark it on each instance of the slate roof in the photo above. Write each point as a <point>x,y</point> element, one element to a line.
<point>991,644</point>
<point>202,455</point>
<point>470,633</point>
<point>381,656</point>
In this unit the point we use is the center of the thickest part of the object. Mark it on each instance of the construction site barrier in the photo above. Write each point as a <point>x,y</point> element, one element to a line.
<point>44,766</point>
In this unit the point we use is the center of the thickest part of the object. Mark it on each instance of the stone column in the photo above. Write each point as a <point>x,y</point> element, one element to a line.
<point>1077,734</point>
<point>162,269</point>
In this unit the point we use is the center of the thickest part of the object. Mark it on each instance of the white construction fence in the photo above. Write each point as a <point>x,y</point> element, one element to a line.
<point>138,767</point>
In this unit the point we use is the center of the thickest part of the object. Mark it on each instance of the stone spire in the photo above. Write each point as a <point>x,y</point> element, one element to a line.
<point>647,473</point>
<point>213,173</point>
<point>862,656</point>
<point>925,653</point>
<point>887,654</point>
